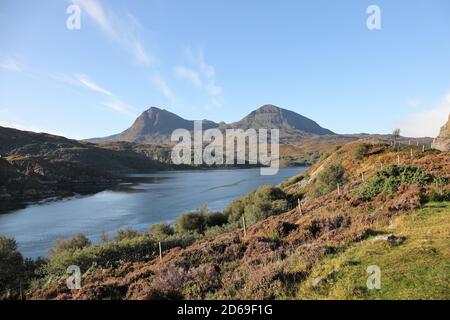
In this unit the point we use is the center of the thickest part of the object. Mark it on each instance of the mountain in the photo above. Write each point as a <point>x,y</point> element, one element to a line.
<point>270,116</point>
<point>442,142</point>
<point>155,125</point>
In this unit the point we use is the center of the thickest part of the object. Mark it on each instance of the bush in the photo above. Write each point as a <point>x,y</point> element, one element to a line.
<point>258,205</point>
<point>215,219</point>
<point>361,151</point>
<point>190,222</point>
<point>161,230</point>
<point>389,180</point>
<point>11,268</point>
<point>328,179</point>
<point>125,234</point>
<point>140,248</point>
<point>439,196</point>
<point>77,242</point>
<point>217,230</point>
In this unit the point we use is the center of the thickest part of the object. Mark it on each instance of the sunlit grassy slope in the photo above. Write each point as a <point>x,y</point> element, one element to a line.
<point>415,266</point>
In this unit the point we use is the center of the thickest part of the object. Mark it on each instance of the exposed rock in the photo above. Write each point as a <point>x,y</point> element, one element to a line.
<point>156,125</point>
<point>317,281</point>
<point>390,238</point>
<point>442,142</point>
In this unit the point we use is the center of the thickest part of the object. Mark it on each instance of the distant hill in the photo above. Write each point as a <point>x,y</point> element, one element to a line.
<point>155,126</point>
<point>17,145</point>
<point>34,166</point>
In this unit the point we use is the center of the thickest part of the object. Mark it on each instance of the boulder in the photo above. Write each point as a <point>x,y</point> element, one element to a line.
<point>442,142</point>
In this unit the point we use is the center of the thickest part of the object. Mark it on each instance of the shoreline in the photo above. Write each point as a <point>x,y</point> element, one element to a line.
<point>10,203</point>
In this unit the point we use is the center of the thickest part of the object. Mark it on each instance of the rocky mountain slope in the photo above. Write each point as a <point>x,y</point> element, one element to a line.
<point>155,125</point>
<point>289,122</point>
<point>391,210</point>
<point>442,142</point>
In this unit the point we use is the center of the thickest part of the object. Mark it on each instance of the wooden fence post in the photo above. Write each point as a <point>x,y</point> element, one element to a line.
<point>245,226</point>
<point>160,251</point>
<point>299,207</point>
<point>339,189</point>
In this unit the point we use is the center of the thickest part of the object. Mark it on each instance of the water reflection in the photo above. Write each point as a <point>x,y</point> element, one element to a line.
<point>144,200</point>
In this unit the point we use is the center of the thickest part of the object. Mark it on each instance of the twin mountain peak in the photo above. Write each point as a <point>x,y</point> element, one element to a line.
<point>156,125</point>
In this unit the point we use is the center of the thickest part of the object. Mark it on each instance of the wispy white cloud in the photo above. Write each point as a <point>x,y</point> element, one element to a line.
<point>15,64</point>
<point>91,85</point>
<point>141,54</point>
<point>82,80</point>
<point>121,107</point>
<point>96,12</point>
<point>201,74</point>
<point>188,74</point>
<point>79,79</point>
<point>160,83</point>
<point>427,122</point>
<point>123,32</point>
<point>11,64</point>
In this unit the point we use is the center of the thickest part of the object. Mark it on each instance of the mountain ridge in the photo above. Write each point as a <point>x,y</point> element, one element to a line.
<point>155,125</point>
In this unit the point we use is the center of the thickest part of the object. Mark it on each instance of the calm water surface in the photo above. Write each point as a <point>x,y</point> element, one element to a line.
<point>153,198</point>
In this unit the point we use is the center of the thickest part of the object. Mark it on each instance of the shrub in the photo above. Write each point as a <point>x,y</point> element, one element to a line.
<point>140,248</point>
<point>190,222</point>
<point>79,241</point>
<point>438,196</point>
<point>125,234</point>
<point>215,219</point>
<point>228,227</point>
<point>389,180</point>
<point>11,268</point>
<point>328,178</point>
<point>161,230</point>
<point>361,151</point>
<point>258,205</point>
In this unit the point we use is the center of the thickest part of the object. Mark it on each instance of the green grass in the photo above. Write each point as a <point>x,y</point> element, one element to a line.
<point>417,268</point>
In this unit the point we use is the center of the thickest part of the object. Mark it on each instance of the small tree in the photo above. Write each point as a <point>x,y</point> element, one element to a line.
<point>190,222</point>
<point>126,234</point>
<point>258,205</point>
<point>77,242</point>
<point>161,230</point>
<point>11,268</point>
<point>214,219</point>
<point>328,179</point>
<point>361,151</point>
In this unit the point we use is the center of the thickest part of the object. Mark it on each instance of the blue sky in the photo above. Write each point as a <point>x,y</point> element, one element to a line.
<point>220,59</point>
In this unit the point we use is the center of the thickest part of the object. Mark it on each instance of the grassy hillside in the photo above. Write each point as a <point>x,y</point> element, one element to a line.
<point>416,265</point>
<point>321,251</point>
